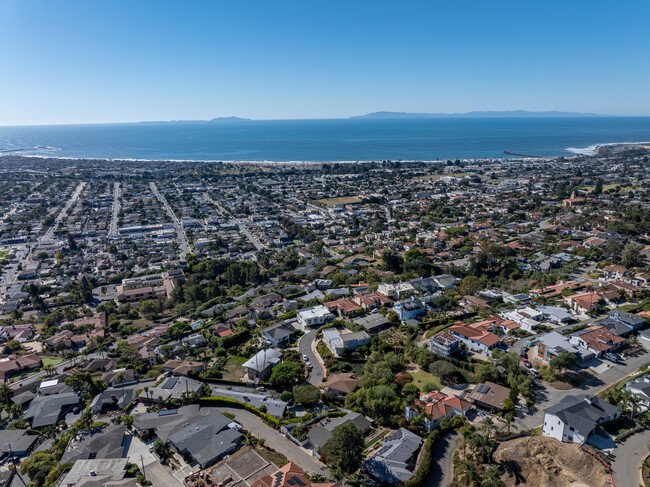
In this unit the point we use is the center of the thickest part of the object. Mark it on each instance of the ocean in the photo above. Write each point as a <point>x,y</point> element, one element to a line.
<point>326,140</point>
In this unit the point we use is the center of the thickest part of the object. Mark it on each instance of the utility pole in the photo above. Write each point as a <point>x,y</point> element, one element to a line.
<point>142,462</point>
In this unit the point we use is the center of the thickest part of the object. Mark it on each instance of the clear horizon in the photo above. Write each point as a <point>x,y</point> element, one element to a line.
<point>75,62</point>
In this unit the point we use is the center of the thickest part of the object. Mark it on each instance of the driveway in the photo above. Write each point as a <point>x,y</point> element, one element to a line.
<point>547,396</point>
<point>442,462</point>
<point>305,348</point>
<point>276,441</point>
<point>138,452</point>
<point>627,460</point>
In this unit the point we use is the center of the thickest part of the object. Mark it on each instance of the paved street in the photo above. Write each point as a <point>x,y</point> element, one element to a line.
<point>305,348</point>
<point>240,224</point>
<point>442,461</point>
<point>627,460</point>
<point>183,245</point>
<point>275,440</point>
<point>115,209</point>
<point>63,213</point>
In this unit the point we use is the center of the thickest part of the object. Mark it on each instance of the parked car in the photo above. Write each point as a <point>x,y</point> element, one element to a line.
<point>523,351</point>
<point>261,388</point>
<point>305,358</point>
<point>612,357</point>
<point>534,373</point>
<point>482,415</point>
<point>525,361</point>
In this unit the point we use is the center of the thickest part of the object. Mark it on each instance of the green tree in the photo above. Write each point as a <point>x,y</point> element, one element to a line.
<point>306,396</point>
<point>631,255</point>
<point>286,374</point>
<point>38,465</point>
<point>470,285</point>
<point>345,448</point>
<point>563,361</point>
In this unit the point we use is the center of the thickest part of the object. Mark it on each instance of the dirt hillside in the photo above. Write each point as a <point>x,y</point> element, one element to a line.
<point>545,462</point>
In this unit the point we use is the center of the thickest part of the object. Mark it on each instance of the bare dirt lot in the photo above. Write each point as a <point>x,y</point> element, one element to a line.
<point>546,462</point>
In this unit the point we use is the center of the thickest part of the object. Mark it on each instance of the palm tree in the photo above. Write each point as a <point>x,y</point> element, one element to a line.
<point>49,369</point>
<point>634,401</point>
<point>466,432</point>
<point>488,426</point>
<point>467,474</point>
<point>625,399</point>
<point>492,478</point>
<point>509,421</point>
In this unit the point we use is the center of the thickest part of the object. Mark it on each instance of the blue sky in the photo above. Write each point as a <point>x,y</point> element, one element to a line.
<point>92,61</point>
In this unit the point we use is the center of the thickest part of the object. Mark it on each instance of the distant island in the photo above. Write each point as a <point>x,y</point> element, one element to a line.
<point>478,114</point>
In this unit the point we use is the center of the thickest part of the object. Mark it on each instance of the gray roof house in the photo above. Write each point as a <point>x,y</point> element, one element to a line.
<point>395,460</point>
<point>47,410</point>
<point>20,442</point>
<point>259,366</point>
<point>278,333</point>
<point>208,439</point>
<point>321,433</point>
<point>106,443</point>
<point>641,389</point>
<point>113,468</point>
<point>574,418</point>
<point>171,388</point>
<point>113,398</point>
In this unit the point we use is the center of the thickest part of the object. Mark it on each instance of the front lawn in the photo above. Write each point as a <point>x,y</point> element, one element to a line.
<point>422,378</point>
<point>233,370</point>
<point>51,361</point>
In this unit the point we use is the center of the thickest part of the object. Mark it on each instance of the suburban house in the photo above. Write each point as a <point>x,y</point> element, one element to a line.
<point>444,344</point>
<point>641,389</point>
<point>259,366</point>
<point>555,314</point>
<point>320,434</point>
<point>395,459</point>
<point>207,440</point>
<point>113,399</point>
<point>48,410</point>
<point>551,344</point>
<point>170,388</point>
<point>584,303</point>
<point>410,309</point>
<point>489,396</point>
<point>476,338</point>
<point>615,273</point>
<point>373,323</point>
<point>526,317</point>
<point>338,386</point>
<point>436,406</point>
<point>574,418</point>
<point>277,334</point>
<point>597,339</point>
<point>316,315</point>
<point>338,341</point>
<point>395,291</point>
<point>291,475</point>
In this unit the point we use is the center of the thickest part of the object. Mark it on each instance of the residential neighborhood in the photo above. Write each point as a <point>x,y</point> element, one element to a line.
<point>243,324</point>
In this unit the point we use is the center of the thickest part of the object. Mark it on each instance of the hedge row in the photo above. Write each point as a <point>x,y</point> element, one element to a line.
<point>421,475</point>
<point>226,401</point>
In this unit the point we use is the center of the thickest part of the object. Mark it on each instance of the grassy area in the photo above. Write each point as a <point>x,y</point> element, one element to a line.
<point>421,378</point>
<point>343,200</point>
<point>51,360</point>
<point>607,187</point>
<point>437,329</point>
<point>233,370</point>
<point>376,439</point>
<point>435,177</point>
<point>272,456</point>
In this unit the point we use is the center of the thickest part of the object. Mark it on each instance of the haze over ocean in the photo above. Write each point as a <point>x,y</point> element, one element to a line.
<point>325,140</point>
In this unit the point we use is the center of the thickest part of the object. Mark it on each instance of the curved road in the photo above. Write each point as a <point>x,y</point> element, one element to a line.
<point>628,458</point>
<point>442,462</point>
<point>304,347</point>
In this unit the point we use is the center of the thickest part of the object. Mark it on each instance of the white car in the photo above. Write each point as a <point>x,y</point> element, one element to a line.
<point>305,358</point>
<point>534,373</point>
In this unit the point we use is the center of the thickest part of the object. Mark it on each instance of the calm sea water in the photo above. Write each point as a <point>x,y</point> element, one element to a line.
<point>327,140</point>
